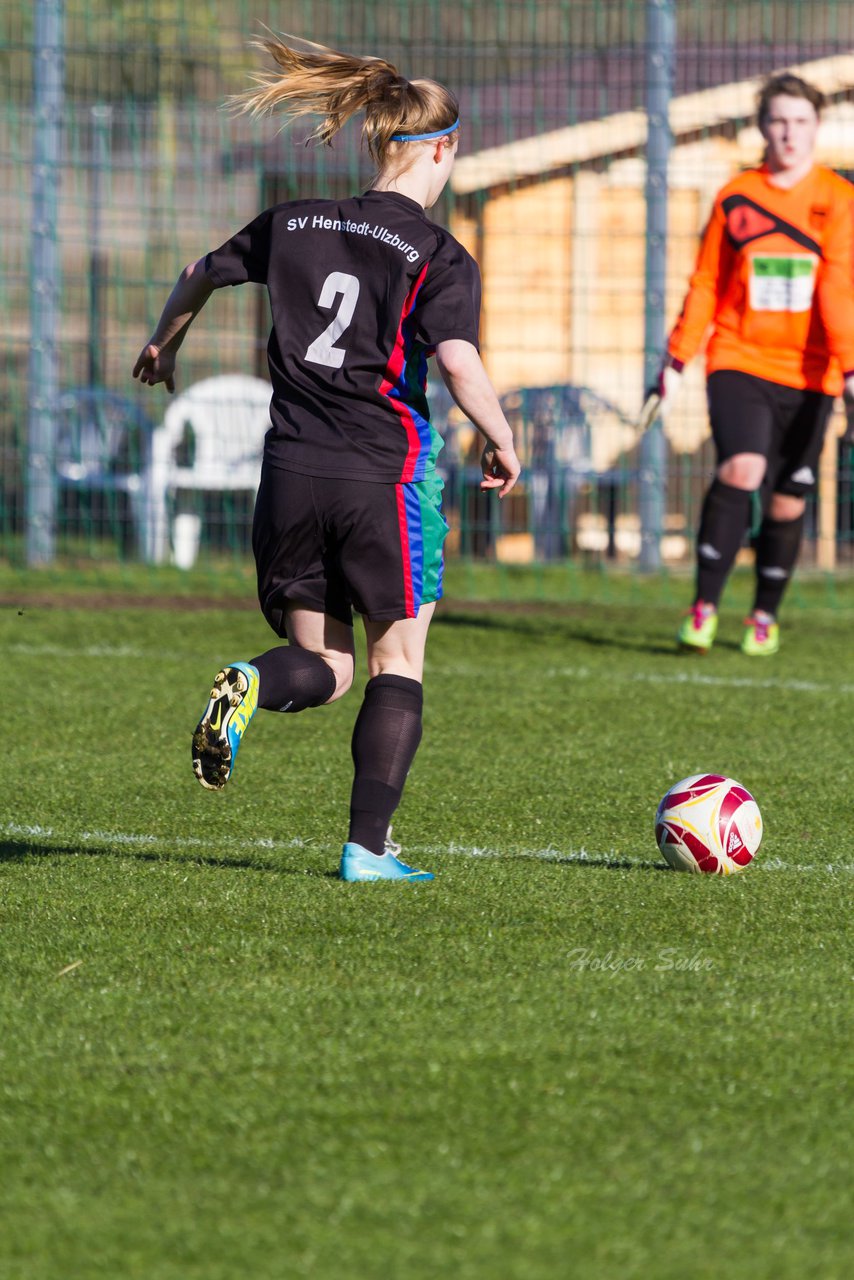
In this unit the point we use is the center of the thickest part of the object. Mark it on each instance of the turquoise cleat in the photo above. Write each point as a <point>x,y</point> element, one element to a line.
<point>233,703</point>
<point>358,863</point>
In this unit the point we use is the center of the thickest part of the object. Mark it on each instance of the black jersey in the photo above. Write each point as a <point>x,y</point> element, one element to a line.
<point>361,292</point>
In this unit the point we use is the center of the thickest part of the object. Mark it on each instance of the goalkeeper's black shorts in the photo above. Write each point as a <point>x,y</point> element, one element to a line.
<point>783,424</point>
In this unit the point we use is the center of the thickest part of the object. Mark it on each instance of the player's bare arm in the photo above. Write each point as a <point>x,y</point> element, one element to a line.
<point>156,362</point>
<point>466,379</point>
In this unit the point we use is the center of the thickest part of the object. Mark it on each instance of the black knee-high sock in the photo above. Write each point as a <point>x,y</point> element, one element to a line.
<point>293,679</point>
<point>723,524</point>
<point>777,545</point>
<point>385,739</point>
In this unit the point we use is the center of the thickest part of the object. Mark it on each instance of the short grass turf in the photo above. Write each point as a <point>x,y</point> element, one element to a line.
<point>558,1059</point>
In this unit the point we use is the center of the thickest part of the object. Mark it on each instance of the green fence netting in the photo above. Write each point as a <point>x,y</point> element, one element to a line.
<point>148,172</point>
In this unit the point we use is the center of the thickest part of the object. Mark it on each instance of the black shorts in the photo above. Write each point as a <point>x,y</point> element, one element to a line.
<point>336,545</point>
<point>787,426</point>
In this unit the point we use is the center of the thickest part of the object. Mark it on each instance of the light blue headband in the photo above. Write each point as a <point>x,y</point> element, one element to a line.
<point>425,137</point>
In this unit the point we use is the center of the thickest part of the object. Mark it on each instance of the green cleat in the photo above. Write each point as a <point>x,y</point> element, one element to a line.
<point>761,635</point>
<point>699,628</point>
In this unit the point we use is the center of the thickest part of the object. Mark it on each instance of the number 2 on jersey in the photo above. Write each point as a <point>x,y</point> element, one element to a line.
<point>323,349</point>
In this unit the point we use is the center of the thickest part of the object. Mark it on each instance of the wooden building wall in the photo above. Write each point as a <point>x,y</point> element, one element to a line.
<point>562,261</point>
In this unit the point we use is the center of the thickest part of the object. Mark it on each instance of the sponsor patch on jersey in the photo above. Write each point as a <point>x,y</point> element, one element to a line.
<point>782,282</point>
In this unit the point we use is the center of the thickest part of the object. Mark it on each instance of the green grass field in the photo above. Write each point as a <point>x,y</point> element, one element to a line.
<point>559,1059</point>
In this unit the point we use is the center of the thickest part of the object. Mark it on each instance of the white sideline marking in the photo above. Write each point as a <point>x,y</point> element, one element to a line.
<point>89,651</point>
<point>550,673</point>
<point>661,677</point>
<point>586,855</point>
<point>738,682</point>
<point>147,840</point>
<point>550,854</point>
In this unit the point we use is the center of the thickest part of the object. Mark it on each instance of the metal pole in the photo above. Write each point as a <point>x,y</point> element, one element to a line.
<point>660,56</point>
<point>101,118</point>
<point>42,391</point>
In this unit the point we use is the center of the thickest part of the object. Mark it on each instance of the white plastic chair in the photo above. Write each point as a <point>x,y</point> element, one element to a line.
<point>211,439</point>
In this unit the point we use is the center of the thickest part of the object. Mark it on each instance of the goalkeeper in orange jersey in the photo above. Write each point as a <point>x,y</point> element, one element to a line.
<point>774,290</point>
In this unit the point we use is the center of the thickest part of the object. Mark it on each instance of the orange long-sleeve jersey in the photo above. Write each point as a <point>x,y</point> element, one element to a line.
<point>775,282</point>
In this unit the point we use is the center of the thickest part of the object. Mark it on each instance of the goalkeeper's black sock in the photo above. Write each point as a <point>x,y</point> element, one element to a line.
<point>293,679</point>
<point>385,739</point>
<point>777,545</point>
<point>723,524</point>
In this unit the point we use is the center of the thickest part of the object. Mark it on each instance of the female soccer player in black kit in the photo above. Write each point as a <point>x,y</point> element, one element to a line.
<point>348,513</point>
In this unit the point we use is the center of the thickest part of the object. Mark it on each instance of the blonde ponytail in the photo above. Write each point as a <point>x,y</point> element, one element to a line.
<point>314,80</point>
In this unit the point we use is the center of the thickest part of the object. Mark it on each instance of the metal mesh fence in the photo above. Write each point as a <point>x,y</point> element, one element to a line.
<point>144,171</point>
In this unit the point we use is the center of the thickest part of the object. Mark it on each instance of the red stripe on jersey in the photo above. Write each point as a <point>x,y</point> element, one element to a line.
<point>394,368</point>
<point>409,595</point>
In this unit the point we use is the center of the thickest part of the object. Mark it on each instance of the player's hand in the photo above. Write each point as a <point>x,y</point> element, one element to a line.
<point>154,365</point>
<point>659,399</point>
<point>848,401</point>
<point>500,469</point>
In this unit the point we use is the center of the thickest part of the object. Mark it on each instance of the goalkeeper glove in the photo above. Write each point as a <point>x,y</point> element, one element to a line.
<point>659,399</point>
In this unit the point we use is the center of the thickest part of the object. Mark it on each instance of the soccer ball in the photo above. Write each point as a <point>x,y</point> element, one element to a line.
<point>708,823</point>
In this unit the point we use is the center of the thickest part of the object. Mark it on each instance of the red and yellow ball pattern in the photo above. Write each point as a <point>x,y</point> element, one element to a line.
<point>708,823</point>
